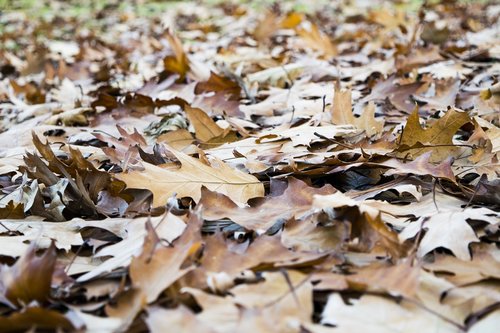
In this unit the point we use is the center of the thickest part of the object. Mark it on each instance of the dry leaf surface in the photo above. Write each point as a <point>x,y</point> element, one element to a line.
<point>300,166</point>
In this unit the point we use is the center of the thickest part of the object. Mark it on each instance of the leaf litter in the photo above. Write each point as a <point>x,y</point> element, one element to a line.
<point>224,167</point>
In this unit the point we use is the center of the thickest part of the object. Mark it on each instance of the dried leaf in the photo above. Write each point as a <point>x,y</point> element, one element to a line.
<point>317,41</point>
<point>177,63</point>
<point>30,277</point>
<point>188,180</point>
<point>437,138</point>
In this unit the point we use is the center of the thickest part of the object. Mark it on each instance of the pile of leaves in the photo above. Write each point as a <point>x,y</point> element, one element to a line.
<point>238,168</point>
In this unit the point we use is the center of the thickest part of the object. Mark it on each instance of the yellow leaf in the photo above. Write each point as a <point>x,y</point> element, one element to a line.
<point>292,20</point>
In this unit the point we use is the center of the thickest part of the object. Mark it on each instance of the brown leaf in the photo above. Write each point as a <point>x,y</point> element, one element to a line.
<point>421,166</point>
<point>482,266</point>
<point>342,113</point>
<point>372,231</point>
<point>160,265</point>
<point>12,211</point>
<point>295,201</point>
<point>309,235</point>
<point>179,139</point>
<point>177,63</point>
<point>180,319</point>
<point>35,318</point>
<point>438,137</point>
<point>399,279</point>
<point>342,107</point>
<point>205,128</point>
<point>30,277</point>
<point>217,83</point>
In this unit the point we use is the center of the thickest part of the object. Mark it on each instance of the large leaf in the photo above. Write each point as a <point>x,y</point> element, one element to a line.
<point>190,177</point>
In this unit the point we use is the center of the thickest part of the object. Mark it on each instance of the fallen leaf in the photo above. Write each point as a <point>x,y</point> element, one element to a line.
<point>158,266</point>
<point>317,40</point>
<point>190,177</point>
<point>180,319</point>
<point>449,229</point>
<point>30,277</point>
<point>437,138</point>
<point>295,201</point>
<point>177,63</point>
<point>342,114</point>
<point>35,318</point>
<point>204,126</point>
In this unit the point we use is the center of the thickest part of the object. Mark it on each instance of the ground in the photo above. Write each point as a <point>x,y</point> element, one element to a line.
<point>298,166</point>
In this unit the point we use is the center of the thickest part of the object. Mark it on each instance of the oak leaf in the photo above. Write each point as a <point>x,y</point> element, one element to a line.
<point>342,113</point>
<point>158,266</point>
<point>30,277</point>
<point>178,63</point>
<point>317,40</point>
<point>438,138</point>
<point>206,130</point>
<point>449,229</point>
<point>295,201</point>
<point>190,177</point>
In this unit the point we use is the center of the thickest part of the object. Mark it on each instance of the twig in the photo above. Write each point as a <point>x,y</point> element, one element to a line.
<point>332,140</point>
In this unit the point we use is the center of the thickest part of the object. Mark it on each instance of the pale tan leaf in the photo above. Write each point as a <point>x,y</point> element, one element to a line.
<point>190,177</point>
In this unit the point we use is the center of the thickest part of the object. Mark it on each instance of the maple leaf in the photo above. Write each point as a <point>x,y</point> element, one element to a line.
<point>190,177</point>
<point>436,139</point>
